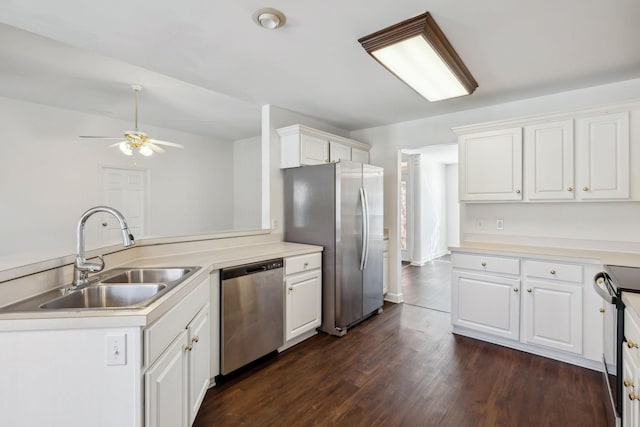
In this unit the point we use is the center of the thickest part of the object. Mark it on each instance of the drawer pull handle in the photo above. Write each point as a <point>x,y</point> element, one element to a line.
<point>529,290</point>
<point>552,272</point>
<point>195,339</point>
<point>484,264</point>
<point>632,344</point>
<point>627,383</point>
<point>188,347</point>
<point>515,289</point>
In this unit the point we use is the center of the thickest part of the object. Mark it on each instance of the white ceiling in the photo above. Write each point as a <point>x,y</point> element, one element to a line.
<point>207,67</point>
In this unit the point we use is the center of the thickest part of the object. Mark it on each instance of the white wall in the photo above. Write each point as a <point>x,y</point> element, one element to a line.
<point>453,206</point>
<point>386,142</point>
<point>247,190</point>
<point>48,177</point>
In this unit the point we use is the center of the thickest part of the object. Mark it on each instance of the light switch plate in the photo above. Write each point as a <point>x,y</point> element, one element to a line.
<point>499,224</point>
<point>116,349</point>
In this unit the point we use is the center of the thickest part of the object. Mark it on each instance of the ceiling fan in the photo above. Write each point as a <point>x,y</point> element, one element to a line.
<point>135,139</point>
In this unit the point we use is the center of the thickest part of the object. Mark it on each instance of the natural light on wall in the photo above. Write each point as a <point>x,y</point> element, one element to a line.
<point>419,54</point>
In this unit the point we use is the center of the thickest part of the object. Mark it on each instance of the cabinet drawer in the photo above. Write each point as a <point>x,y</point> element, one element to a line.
<point>553,271</point>
<point>300,263</point>
<point>161,333</point>
<point>490,264</point>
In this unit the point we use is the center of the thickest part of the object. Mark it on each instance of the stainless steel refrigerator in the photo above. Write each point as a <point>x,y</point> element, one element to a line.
<point>339,206</point>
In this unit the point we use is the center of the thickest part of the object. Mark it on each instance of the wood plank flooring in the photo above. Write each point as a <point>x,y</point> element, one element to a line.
<point>428,286</point>
<point>405,368</point>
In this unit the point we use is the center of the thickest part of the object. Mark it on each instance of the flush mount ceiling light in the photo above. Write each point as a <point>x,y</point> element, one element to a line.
<point>269,18</point>
<point>419,54</point>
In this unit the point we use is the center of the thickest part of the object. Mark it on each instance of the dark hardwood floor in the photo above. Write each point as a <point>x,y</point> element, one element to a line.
<point>428,286</point>
<point>405,368</point>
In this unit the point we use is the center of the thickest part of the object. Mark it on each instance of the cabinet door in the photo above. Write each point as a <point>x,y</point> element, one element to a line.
<point>339,151</point>
<point>199,360</point>
<point>630,390</point>
<point>491,165</point>
<point>552,315</point>
<point>358,155</point>
<point>313,150</point>
<point>166,387</point>
<point>602,157</point>
<point>549,161</point>
<point>486,303</point>
<point>303,303</point>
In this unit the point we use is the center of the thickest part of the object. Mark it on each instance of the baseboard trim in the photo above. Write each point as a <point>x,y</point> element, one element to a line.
<point>528,348</point>
<point>394,298</point>
<point>422,262</point>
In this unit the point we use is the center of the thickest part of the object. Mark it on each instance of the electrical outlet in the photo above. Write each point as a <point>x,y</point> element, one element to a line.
<point>116,350</point>
<point>499,224</point>
<point>479,223</point>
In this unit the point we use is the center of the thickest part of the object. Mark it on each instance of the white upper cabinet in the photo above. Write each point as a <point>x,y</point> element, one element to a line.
<point>301,145</point>
<point>491,165</point>
<point>338,151</point>
<point>602,154</point>
<point>549,161</point>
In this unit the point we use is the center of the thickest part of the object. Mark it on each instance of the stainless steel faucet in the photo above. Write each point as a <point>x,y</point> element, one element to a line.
<point>82,268</point>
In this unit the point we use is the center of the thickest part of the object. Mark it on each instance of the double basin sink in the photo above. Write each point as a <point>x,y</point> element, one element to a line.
<point>122,288</point>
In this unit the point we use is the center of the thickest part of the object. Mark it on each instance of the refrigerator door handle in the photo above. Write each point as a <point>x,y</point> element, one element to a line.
<point>365,226</point>
<point>366,246</point>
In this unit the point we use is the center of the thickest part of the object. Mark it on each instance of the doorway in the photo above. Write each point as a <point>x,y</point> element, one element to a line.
<point>431,223</point>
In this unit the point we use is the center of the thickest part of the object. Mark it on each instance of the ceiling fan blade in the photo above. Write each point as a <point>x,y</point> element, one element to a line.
<point>156,148</point>
<point>117,143</point>
<point>169,144</point>
<point>100,137</point>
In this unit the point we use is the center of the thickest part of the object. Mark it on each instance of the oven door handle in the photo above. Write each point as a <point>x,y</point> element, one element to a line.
<point>600,286</point>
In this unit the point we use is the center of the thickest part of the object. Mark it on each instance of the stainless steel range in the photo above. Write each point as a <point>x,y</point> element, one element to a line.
<point>610,284</point>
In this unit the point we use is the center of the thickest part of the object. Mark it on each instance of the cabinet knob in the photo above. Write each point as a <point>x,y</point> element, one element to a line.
<point>291,288</point>
<point>529,290</point>
<point>552,272</point>
<point>515,289</point>
<point>484,264</point>
<point>632,344</point>
<point>306,264</point>
<point>585,188</point>
<point>195,339</point>
<point>632,396</point>
<point>517,191</point>
<point>570,189</point>
<point>188,347</point>
<point>601,309</point>
<point>627,383</point>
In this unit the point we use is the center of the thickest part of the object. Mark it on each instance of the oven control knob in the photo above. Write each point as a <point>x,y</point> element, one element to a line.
<point>632,344</point>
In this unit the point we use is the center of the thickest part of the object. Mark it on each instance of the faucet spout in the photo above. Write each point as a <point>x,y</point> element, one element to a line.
<point>81,267</point>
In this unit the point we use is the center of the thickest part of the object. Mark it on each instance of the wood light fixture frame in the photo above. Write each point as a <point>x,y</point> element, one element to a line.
<point>425,26</point>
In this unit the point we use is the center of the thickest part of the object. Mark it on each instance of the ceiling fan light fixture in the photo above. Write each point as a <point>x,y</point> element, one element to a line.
<point>269,18</point>
<point>145,150</point>
<point>418,53</point>
<point>125,148</point>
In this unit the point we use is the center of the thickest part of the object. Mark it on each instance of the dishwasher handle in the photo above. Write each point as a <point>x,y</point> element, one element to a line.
<point>253,268</point>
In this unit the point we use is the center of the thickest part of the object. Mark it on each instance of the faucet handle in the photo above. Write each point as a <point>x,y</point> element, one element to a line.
<point>95,266</point>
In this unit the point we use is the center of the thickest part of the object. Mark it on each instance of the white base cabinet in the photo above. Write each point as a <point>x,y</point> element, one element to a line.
<point>545,307</point>
<point>303,297</point>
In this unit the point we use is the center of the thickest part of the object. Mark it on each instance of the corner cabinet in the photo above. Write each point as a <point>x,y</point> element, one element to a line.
<point>303,297</point>
<point>177,351</point>
<point>301,145</point>
<point>491,165</point>
<point>544,307</point>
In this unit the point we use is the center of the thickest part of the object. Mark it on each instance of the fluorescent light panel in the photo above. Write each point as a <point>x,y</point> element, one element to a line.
<point>419,54</point>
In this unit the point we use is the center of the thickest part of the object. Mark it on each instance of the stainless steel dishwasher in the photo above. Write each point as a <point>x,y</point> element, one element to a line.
<point>252,313</point>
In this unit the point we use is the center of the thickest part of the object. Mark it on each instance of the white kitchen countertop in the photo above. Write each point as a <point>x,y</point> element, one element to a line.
<point>208,261</point>
<point>567,254</point>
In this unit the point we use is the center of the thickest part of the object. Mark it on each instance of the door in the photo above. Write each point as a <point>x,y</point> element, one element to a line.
<point>549,161</point>
<point>372,287</point>
<point>338,152</point>
<point>303,303</point>
<point>553,315</point>
<point>166,387</point>
<point>313,151</point>
<point>602,154</point>
<point>124,190</point>
<point>491,165</point>
<point>349,243</point>
<point>199,360</point>
<point>486,303</point>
